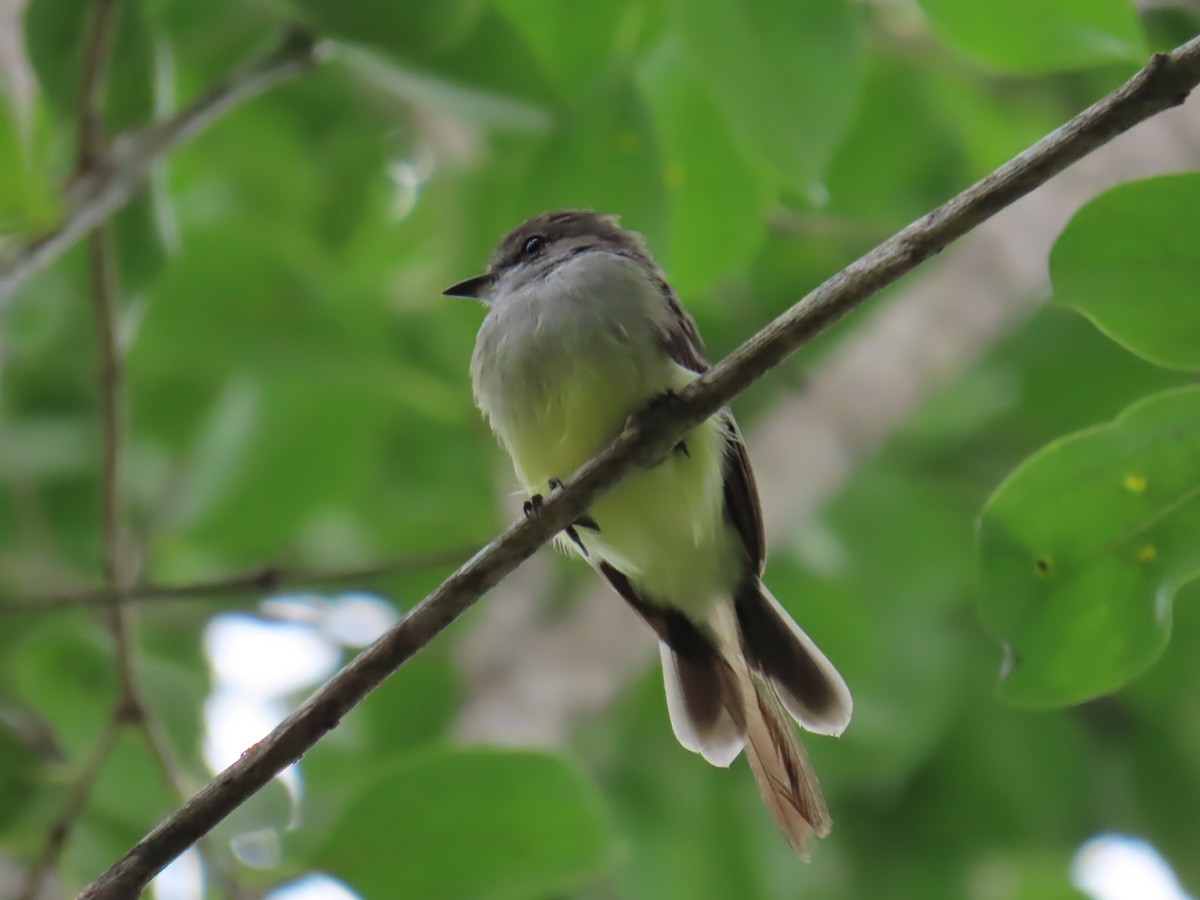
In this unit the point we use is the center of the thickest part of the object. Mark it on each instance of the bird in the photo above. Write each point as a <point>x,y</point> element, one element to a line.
<point>583,331</point>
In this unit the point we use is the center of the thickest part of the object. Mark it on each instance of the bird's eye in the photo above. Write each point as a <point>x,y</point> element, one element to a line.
<point>533,244</point>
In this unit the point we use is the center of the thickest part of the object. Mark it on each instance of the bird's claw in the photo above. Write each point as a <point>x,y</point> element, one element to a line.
<point>533,505</point>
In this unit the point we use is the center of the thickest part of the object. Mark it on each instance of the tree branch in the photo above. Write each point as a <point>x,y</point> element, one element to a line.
<point>102,190</point>
<point>264,580</point>
<point>1163,83</point>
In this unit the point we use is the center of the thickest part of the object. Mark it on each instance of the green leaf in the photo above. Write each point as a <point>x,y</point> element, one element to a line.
<point>54,35</point>
<point>1130,261</point>
<point>574,41</point>
<point>608,136</point>
<point>302,450</point>
<point>403,29</point>
<point>412,709</point>
<point>55,32</point>
<point>1036,36</point>
<point>65,671</point>
<point>143,237</point>
<point>127,793</point>
<point>27,201</point>
<point>54,41</point>
<point>1082,549</point>
<point>923,159</point>
<point>305,386</point>
<point>466,824</point>
<point>786,76</point>
<point>426,91</point>
<point>717,204</point>
<point>19,768</point>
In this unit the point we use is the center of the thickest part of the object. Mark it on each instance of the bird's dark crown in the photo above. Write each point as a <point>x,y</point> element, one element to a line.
<point>578,229</point>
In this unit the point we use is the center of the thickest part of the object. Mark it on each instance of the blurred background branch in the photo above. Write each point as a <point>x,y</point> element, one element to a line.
<point>100,191</point>
<point>128,707</point>
<point>266,580</point>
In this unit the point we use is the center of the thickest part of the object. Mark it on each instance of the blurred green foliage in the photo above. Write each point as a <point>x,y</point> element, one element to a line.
<point>298,394</point>
<point>472,823</point>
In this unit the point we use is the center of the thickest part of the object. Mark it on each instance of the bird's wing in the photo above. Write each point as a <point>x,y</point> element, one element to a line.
<point>682,341</point>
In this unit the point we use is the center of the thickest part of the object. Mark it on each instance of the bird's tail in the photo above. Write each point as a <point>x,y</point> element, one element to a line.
<point>786,780</point>
<point>766,671</point>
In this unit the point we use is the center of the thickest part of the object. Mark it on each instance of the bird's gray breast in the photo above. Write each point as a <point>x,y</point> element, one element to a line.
<point>595,317</point>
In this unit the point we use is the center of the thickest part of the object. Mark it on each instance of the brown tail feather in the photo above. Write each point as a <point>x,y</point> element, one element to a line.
<point>786,780</point>
<point>698,663</point>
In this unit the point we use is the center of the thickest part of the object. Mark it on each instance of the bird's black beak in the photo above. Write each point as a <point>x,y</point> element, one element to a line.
<point>474,288</point>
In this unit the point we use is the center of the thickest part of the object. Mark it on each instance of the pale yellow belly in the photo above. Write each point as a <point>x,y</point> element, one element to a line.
<point>663,527</point>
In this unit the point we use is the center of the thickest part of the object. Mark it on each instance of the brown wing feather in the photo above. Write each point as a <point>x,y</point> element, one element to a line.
<point>741,497</point>
<point>682,341</point>
<point>694,653</point>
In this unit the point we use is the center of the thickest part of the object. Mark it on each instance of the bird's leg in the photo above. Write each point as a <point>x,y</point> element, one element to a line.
<point>533,507</point>
<point>588,522</point>
<point>583,521</point>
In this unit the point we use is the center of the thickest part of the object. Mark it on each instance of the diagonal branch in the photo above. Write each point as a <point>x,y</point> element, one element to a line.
<point>102,190</point>
<point>1163,83</point>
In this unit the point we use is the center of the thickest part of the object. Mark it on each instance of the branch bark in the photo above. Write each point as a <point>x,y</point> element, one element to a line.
<point>102,190</point>
<point>1164,82</point>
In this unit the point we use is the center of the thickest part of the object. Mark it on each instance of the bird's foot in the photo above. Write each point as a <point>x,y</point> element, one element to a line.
<point>556,485</point>
<point>533,505</point>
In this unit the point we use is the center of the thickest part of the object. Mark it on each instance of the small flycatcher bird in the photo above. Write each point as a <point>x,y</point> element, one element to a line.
<point>582,332</point>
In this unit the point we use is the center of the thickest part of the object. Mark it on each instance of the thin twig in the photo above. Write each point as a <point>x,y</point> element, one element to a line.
<point>1163,83</point>
<point>130,708</point>
<point>101,191</point>
<point>265,580</point>
<point>102,277</point>
<point>91,150</point>
<point>72,809</point>
<point>117,571</point>
<point>102,186</point>
<point>102,266</point>
<point>96,52</point>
